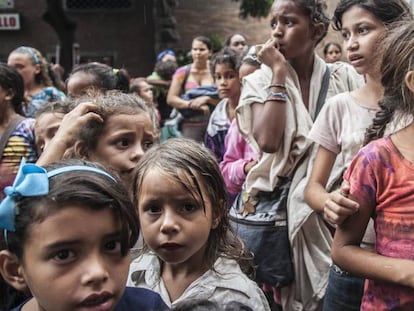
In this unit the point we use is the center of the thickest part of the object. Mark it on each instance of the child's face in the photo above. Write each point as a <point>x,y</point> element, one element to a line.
<point>238,43</point>
<point>79,83</point>
<point>361,31</point>
<point>123,141</point>
<point>46,127</point>
<point>174,224</point>
<point>333,54</point>
<point>24,65</point>
<point>146,92</point>
<point>227,81</point>
<point>71,262</point>
<point>291,29</point>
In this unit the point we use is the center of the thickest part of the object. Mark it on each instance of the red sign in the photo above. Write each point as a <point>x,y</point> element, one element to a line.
<point>9,21</point>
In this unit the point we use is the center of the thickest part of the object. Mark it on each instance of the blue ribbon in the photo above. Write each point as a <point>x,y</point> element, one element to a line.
<point>31,181</point>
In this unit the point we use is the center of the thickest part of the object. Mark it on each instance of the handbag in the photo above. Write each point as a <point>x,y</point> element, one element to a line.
<point>261,223</point>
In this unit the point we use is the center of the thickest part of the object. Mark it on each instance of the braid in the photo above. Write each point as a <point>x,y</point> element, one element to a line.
<point>379,123</point>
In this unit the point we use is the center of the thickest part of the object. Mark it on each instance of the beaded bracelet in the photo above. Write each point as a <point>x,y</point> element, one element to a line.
<point>282,86</point>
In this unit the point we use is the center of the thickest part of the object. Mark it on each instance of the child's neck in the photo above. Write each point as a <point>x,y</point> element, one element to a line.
<point>304,69</point>
<point>177,278</point>
<point>370,93</point>
<point>404,142</point>
<point>231,107</point>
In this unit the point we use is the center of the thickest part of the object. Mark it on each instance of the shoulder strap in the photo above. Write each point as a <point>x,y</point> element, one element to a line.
<point>187,73</point>
<point>9,130</point>
<point>322,92</point>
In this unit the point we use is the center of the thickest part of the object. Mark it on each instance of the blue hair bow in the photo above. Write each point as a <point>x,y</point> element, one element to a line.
<point>31,180</point>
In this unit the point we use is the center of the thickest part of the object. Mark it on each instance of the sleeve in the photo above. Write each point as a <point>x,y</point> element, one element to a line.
<point>326,130</point>
<point>362,178</point>
<point>180,73</point>
<point>238,153</point>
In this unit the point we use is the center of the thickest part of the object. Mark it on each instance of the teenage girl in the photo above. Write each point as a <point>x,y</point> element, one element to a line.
<point>277,105</point>
<point>33,68</point>
<point>381,179</point>
<point>190,251</point>
<point>69,231</point>
<point>96,77</point>
<point>332,52</point>
<point>339,131</point>
<point>225,69</point>
<point>21,141</point>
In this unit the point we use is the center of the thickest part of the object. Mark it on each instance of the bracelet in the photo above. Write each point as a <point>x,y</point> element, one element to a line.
<point>280,96</point>
<point>282,86</point>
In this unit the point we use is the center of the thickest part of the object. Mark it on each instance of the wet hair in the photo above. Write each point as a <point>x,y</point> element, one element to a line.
<point>387,11</point>
<point>41,78</point>
<point>11,79</point>
<point>88,189</point>
<point>193,166</point>
<point>316,10</point>
<point>165,69</point>
<point>397,60</point>
<point>204,40</point>
<point>105,78</point>
<point>329,44</point>
<point>226,56</point>
<point>109,104</point>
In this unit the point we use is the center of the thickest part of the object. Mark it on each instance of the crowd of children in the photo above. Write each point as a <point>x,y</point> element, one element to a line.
<point>97,213</point>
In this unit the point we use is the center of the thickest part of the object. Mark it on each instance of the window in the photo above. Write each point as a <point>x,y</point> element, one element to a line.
<point>97,4</point>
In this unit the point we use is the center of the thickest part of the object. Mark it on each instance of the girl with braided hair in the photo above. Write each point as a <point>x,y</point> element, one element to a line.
<point>381,178</point>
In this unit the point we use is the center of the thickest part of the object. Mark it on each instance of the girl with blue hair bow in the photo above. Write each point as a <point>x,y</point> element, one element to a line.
<point>71,224</point>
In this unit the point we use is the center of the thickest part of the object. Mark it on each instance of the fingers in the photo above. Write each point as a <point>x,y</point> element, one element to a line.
<point>338,207</point>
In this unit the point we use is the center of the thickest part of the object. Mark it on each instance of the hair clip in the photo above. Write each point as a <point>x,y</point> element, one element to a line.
<point>31,181</point>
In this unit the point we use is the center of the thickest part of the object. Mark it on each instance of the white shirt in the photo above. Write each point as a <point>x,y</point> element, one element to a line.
<point>227,283</point>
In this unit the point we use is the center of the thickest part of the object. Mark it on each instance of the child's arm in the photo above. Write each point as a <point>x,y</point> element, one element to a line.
<point>334,205</point>
<point>269,118</point>
<point>347,253</point>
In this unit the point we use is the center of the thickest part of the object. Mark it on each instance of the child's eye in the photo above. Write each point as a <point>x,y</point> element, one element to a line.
<point>288,22</point>
<point>273,24</point>
<point>362,30</point>
<point>345,35</point>
<point>63,255</point>
<point>148,144</point>
<point>152,209</point>
<point>217,77</point>
<point>189,208</point>
<point>113,246</point>
<point>123,143</point>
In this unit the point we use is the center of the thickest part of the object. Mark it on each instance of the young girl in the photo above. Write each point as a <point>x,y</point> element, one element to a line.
<point>238,156</point>
<point>339,129</point>
<point>69,231</point>
<point>33,68</point>
<point>21,140</point>
<point>225,69</point>
<point>190,251</point>
<point>332,52</point>
<point>277,105</point>
<point>125,131</point>
<point>381,179</point>
<point>97,77</point>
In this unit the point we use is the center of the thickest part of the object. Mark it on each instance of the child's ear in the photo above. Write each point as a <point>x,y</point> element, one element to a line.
<point>318,31</point>
<point>12,271</point>
<point>409,80</point>
<point>80,150</point>
<point>10,94</point>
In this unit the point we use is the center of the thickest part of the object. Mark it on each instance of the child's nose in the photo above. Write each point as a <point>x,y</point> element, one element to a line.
<point>137,153</point>
<point>169,223</point>
<point>96,271</point>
